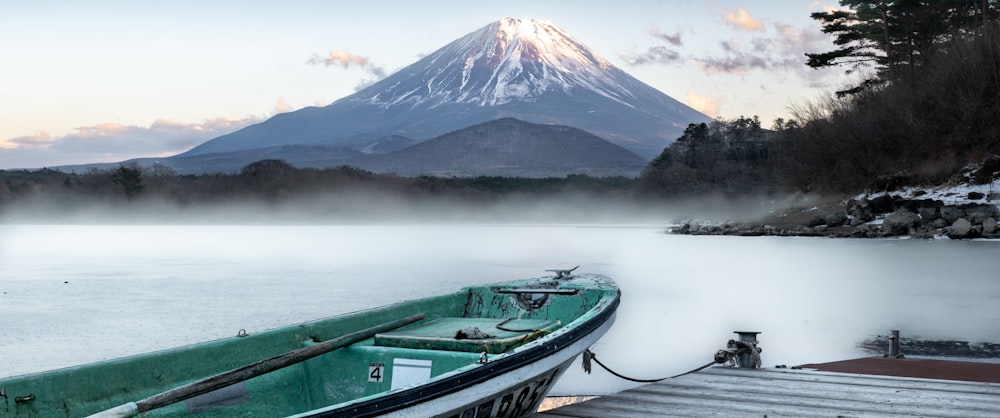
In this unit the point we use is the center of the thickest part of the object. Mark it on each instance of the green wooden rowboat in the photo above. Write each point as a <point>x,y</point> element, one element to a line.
<point>484,351</point>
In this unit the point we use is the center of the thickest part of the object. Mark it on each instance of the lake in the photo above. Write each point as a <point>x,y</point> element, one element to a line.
<point>71,294</point>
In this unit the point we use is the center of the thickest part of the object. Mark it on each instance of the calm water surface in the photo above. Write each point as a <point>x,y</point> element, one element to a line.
<point>78,293</point>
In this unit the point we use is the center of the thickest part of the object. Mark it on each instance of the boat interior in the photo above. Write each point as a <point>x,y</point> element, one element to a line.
<point>458,331</point>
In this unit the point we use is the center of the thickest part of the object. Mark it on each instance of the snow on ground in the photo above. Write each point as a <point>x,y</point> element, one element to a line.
<point>953,194</point>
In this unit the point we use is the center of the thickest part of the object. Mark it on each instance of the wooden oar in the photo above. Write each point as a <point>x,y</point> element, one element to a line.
<point>250,371</point>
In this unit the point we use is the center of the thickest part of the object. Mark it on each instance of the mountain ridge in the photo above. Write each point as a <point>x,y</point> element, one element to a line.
<point>508,147</point>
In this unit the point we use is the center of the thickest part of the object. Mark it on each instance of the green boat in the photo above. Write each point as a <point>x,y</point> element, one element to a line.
<point>483,351</point>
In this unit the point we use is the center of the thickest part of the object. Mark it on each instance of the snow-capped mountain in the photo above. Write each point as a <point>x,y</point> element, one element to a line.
<point>510,60</point>
<point>526,69</point>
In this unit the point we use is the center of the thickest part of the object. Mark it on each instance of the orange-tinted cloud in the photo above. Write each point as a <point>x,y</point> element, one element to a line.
<point>704,104</point>
<point>346,60</point>
<point>282,106</point>
<point>742,20</point>
<point>113,142</point>
<point>337,57</point>
<point>42,139</point>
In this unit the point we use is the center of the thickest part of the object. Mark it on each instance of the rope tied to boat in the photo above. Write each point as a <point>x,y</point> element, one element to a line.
<point>733,349</point>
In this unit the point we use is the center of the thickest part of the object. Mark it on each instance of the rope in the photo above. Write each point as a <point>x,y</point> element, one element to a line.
<point>533,335</point>
<point>721,356</point>
<point>501,326</point>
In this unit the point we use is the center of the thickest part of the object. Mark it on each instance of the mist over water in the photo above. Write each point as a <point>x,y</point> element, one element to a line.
<point>365,207</point>
<point>81,293</point>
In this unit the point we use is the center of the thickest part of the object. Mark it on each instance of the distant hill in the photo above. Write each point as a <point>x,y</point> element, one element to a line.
<point>508,147</point>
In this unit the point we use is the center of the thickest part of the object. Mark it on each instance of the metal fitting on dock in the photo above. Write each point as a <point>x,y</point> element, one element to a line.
<point>748,356</point>
<point>894,345</point>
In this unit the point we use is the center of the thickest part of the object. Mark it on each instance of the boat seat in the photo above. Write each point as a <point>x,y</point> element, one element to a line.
<point>474,335</point>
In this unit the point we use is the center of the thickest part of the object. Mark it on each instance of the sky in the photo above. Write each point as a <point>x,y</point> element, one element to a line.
<point>105,81</point>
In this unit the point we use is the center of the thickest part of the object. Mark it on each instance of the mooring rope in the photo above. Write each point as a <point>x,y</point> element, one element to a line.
<point>589,356</point>
<point>735,348</point>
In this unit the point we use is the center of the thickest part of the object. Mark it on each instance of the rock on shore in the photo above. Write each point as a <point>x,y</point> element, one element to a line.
<point>876,217</point>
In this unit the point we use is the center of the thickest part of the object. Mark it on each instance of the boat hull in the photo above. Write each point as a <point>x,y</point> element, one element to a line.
<point>512,388</point>
<point>483,351</point>
<point>516,400</point>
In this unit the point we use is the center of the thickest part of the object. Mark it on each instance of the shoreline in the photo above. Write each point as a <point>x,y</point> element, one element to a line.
<point>910,214</point>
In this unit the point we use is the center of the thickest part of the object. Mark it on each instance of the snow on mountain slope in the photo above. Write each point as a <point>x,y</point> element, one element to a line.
<point>508,60</point>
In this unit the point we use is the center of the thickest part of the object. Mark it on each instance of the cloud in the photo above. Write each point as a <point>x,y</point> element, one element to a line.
<point>705,104</point>
<point>282,106</point>
<point>823,7</point>
<point>792,45</point>
<point>742,20</point>
<point>113,142</point>
<point>26,141</point>
<point>347,60</point>
<point>736,59</point>
<point>781,51</point>
<point>674,39</point>
<point>337,57</point>
<point>653,55</point>
<point>657,54</point>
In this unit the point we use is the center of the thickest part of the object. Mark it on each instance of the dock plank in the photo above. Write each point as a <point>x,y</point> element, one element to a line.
<point>727,391</point>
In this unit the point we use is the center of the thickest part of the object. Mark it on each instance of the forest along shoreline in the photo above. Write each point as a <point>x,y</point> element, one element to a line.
<point>974,215</point>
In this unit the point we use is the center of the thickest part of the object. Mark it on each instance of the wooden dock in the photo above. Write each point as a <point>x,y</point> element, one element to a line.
<point>774,392</point>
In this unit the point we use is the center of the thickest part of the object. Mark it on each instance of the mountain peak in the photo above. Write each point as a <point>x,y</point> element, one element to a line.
<point>507,60</point>
<point>542,41</point>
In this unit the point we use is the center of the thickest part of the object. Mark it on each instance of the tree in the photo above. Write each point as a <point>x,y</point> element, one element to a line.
<point>270,178</point>
<point>925,127</point>
<point>727,156</point>
<point>697,146</point>
<point>127,178</point>
<point>893,39</point>
<point>856,34</point>
<point>267,168</point>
